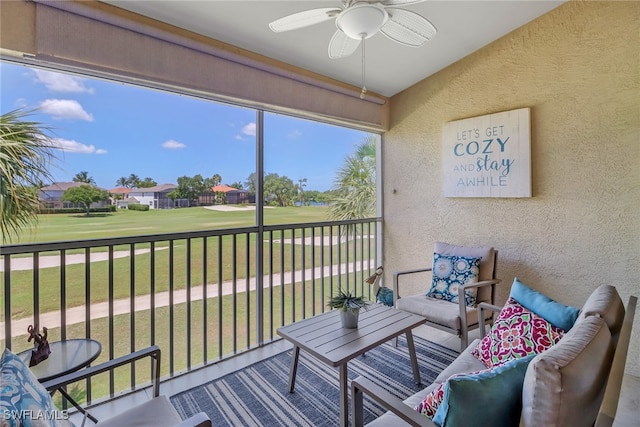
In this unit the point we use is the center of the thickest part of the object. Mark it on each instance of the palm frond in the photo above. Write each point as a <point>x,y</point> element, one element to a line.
<point>26,154</point>
<point>355,184</point>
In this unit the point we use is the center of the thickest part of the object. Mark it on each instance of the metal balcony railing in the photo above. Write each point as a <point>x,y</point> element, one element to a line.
<point>200,296</point>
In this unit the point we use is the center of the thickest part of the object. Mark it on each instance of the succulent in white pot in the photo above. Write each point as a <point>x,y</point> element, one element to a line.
<point>349,306</point>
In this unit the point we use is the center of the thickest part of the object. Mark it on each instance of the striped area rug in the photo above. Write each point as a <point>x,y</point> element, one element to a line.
<point>257,395</point>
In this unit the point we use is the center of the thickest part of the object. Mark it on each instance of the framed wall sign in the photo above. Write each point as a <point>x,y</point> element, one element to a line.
<point>488,156</point>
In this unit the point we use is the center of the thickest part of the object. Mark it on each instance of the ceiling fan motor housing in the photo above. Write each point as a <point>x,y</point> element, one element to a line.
<point>362,20</point>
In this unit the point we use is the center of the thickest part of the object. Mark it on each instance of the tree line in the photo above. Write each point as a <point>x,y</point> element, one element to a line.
<point>353,195</point>
<point>279,190</point>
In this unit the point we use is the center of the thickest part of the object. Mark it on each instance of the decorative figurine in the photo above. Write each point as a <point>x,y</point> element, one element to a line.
<point>384,295</point>
<point>42,350</point>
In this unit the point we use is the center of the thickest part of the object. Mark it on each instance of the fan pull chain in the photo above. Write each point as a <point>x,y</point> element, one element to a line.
<point>364,87</point>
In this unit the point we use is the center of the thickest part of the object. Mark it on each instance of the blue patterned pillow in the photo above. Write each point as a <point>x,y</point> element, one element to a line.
<point>23,396</point>
<point>449,272</point>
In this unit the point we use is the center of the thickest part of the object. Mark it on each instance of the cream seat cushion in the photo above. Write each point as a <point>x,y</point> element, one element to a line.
<point>465,363</point>
<point>157,412</point>
<point>438,311</point>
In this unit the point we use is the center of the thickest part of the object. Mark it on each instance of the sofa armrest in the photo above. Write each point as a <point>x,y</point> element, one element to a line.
<point>153,352</point>
<point>361,385</point>
<point>482,307</point>
<point>609,406</point>
<point>396,280</point>
<point>198,420</point>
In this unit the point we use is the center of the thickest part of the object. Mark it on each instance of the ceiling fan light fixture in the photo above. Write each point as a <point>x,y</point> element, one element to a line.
<point>362,21</point>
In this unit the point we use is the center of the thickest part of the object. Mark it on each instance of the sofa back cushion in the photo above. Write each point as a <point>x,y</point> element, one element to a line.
<point>605,302</point>
<point>565,384</point>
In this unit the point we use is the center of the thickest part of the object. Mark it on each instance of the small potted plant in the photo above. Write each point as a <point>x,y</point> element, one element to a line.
<point>349,306</point>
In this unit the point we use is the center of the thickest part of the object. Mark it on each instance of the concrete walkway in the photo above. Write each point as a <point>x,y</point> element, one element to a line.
<point>48,261</point>
<point>143,302</point>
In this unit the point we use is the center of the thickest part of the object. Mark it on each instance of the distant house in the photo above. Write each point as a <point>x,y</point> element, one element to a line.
<point>157,197</point>
<point>51,196</point>
<point>233,196</point>
<point>119,192</point>
<point>124,203</point>
<point>120,197</point>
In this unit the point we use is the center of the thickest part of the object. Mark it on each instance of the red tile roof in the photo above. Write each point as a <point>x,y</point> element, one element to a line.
<point>224,188</point>
<point>119,190</point>
<point>64,186</point>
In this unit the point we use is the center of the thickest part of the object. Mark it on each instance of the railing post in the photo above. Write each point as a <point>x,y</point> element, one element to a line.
<point>260,223</point>
<point>7,301</point>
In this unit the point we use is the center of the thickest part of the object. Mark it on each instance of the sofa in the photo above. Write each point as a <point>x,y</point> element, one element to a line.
<point>563,385</point>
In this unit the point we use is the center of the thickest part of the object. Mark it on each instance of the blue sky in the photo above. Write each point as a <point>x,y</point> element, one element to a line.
<point>112,130</point>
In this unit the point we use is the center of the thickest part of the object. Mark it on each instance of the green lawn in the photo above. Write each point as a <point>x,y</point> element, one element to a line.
<point>185,270</point>
<point>53,228</point>
<point>241,330</point>
<point>243,333</point>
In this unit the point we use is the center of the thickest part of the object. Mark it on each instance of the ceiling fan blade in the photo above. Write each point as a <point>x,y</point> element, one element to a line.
<point>408,28</point>
<point>304,19</point>
<point>342,45</point>
<point>399,2</point>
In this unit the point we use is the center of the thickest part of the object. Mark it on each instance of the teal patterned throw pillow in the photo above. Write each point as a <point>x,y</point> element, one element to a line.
<point>449,272</point>
<point>23,400</point>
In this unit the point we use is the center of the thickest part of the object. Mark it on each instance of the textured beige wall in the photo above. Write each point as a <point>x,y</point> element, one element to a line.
<point>578,68</point>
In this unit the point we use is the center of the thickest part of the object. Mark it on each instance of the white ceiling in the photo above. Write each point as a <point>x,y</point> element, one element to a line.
<point>463,27</point>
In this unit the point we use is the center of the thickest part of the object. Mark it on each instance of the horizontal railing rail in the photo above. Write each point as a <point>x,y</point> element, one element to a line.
<point>197,295</point>
<point>29,248</point>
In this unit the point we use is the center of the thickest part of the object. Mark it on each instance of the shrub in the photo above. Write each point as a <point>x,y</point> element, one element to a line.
<point>47,211</point>
<point>138,207</point>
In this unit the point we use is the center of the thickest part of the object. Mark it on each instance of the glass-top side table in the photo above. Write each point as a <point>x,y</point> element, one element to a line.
<point>66,357</point>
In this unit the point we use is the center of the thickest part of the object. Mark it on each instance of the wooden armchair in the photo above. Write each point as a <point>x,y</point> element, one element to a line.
<point>453,317</point>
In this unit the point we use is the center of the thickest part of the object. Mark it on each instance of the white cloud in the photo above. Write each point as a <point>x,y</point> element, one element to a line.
<point>21,103</point>
<point>57,82</point>
<point>72,146</point>
<point>295,134</point>
<point>65,109</point>
<point>173,145</point>
<point>249,129</point>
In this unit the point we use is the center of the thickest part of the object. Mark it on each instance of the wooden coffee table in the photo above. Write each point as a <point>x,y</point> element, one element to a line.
<point>323,337</point>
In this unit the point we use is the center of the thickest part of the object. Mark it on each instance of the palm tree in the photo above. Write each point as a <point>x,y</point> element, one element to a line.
<point>134,181</point>
<point>355,184</point>
<point>123,181</point>
<point>302,182</point>
<point>147,183</point>
<point>83,176</point>
<point>25,157</point>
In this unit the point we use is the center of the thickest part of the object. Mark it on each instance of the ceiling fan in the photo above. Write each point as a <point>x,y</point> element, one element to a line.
<point>358,20</point>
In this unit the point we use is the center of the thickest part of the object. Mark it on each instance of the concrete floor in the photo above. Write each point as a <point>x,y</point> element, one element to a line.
<point>628,414</point>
